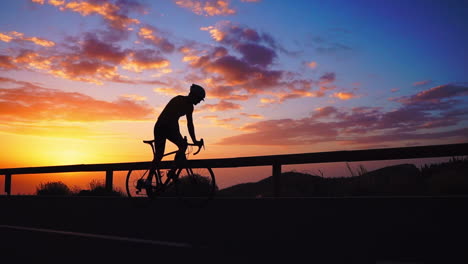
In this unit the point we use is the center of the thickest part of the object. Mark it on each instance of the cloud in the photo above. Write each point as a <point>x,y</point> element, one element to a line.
<point>134,97</point>
<point>256,54</point>
<point>7,63</point>
<point>51,2</point>
<point>228,93</point>
<point>20,37</point>
<point>312,64</point>
<point>207,7</point>
<point>334,41</point>
<point>255,116</point>
<point>368,125</point>
<point>88,58</point>
<point>238,72</point>
<point>249,72</point>
<point>344,95</point>
<point>222,122</point>
<point>221,106</point>
<point>436,94</point>
<point>422,83</point>
<point>114,14</point>
<point>327,78</point>
<point>153,36</point>
<point>94,48</point>
<point>281,132</point>
<point>266,102</point>
<point>243,64</point>
<point>325,112</point>
<point>232,34</point>
<point>144,60</point>
<point>32,103</point>
<point>240,78</point>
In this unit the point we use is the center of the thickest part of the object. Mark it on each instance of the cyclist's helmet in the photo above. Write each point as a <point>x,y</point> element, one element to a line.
<point>197,91</point>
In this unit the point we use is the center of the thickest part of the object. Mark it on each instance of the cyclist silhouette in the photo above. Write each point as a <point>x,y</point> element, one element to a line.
<point>167,125</point>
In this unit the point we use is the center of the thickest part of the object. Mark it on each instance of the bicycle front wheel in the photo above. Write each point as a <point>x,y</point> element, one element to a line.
<point>195,186</point>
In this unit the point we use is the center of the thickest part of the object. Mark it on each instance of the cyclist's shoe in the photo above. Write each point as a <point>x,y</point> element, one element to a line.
<point>142,183</point>
<point>171,174</point>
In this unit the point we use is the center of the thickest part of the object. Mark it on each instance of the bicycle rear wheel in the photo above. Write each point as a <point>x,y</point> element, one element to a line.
<point>195,187</point>
<point>135,183</point>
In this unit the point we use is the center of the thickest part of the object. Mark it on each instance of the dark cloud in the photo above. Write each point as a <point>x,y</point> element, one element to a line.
<point>6,63</point>
<point>327,78</point>
<point>436,94</point>
<point>93,48</point>
<point>257,54</point>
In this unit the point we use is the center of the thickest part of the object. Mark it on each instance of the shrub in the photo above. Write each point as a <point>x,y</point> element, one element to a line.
<point>53,188</point>
<point>98,188</point>
<point>197,185</point>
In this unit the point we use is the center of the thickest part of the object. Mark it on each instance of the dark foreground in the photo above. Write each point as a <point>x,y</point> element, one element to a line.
<point>316,230</point>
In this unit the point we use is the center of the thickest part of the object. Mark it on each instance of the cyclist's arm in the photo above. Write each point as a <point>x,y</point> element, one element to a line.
<point>191,128</point>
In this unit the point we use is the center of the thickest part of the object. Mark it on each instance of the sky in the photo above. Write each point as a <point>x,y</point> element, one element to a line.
<point>83,82</point>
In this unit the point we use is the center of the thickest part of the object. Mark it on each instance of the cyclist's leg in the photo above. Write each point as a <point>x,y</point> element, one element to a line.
<point>179,141</point>
<point>160,137</point>
<point>159,145</point>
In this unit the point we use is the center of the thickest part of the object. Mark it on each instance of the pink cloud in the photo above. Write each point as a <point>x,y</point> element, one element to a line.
<point>114,13</point>
<point>221,106</point>
<point>207,7</point>
<point>248,70</point>
<point>421,83</point>
<point>89,58</point>
<point>34,103</point>
<point>255,116</point>
<point>368,125</point>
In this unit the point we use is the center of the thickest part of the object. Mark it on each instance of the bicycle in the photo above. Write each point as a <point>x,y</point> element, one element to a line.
<point>194,186</point>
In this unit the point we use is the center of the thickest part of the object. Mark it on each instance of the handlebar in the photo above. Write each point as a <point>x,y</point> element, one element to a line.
<point>199,146</point>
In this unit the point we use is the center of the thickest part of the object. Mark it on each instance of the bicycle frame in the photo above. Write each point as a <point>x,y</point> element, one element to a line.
<point>154,169</point>
<point>187,183</point>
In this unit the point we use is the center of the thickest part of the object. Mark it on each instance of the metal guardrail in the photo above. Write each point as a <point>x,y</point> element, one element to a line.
<point>276,161</point>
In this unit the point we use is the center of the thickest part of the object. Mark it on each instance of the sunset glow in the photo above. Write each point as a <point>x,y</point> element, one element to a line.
<point>83,81</point>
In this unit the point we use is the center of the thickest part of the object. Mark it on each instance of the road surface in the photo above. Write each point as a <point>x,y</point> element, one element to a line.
<point>287,230</point>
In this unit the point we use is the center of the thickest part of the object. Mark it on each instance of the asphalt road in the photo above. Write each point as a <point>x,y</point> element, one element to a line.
<point>315,230</point>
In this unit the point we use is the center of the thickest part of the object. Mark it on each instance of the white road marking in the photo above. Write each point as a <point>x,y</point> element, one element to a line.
<point>117,238</point>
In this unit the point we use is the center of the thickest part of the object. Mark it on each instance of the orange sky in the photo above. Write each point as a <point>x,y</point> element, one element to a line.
<point>83,81</point>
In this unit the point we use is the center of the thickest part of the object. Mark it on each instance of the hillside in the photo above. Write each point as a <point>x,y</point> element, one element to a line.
<point>450,178</point>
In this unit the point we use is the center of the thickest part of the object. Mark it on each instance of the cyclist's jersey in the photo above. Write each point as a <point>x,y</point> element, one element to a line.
<point>177,107</point>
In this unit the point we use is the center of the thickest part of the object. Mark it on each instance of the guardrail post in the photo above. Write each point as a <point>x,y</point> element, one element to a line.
<point>8,184</point>
<point>277,179</point>
<point>109,179</point>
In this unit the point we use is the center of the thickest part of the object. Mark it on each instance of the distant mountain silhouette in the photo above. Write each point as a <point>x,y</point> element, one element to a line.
<point>450,178</point>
